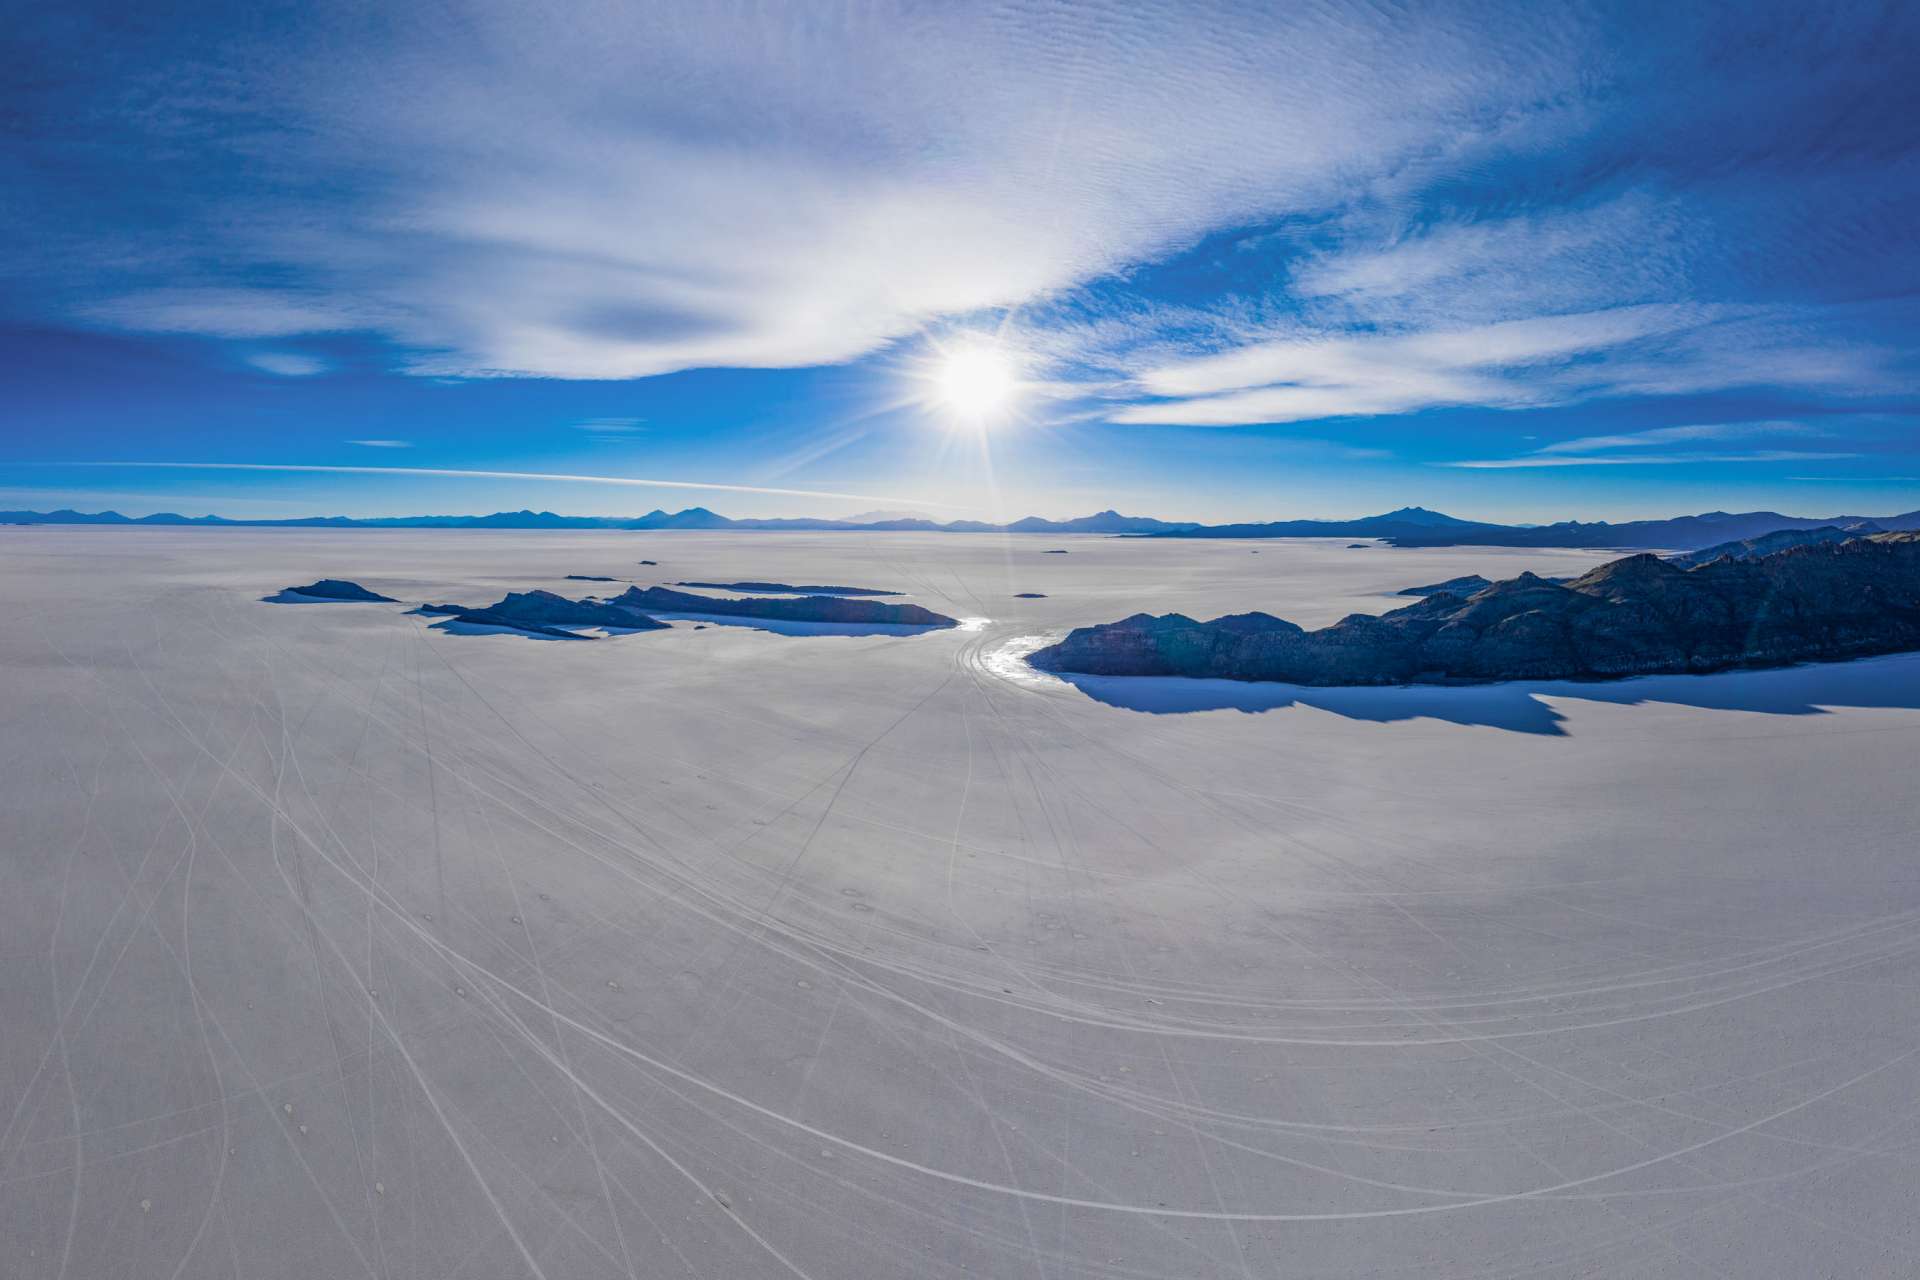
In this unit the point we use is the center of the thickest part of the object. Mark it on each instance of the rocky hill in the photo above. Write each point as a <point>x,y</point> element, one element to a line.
<point>1640,615</point>
<point>339,589</point>
<point>537,609</point>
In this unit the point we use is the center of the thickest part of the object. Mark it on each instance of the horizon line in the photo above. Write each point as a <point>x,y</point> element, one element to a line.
<point>564,477</point>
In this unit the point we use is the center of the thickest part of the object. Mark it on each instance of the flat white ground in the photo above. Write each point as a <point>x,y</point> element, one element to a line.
<point>335,946</point>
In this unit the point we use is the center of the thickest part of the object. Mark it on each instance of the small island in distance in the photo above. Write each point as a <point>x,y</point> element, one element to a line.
<point>1821,600</point>
<point>335,589</point>
<point>545,612</point>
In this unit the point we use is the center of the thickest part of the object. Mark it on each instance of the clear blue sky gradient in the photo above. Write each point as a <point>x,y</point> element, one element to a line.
<point>1512,261</point>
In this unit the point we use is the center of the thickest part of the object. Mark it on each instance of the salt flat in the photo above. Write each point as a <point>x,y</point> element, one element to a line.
<point>335,945</point>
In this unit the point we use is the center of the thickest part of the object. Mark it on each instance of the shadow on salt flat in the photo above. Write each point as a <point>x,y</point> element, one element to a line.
<point>1520,706</point>
<point>454,627</point>
<point>294,597</point>
<point>782,626</point>
<point>1496,706</point>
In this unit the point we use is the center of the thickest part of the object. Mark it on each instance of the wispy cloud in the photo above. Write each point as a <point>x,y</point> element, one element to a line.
<point>468,474</point>
<point>1857,479</point>
<point>1644,459</point>
<point>611,430</point>
<point>1656,436</point>
<point>1625,449</point>
<point>1630,248</point>
<point>844,179</point>
<point>383,444</point>
<point>288,364</point>
<point>1650,349</point>
<point>1297,378</point>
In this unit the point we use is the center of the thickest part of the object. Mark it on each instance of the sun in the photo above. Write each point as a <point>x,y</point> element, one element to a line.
<point>976,384</point>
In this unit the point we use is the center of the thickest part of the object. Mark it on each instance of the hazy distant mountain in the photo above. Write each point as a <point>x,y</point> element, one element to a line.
<point>1406,527</point>
<point>1683,533</point>
<point>878,517</point>
<point>1415,527</point>
<point>1099,522</point>
<point>1637,616</point>
<point>1409,525</point>
<point>1422,516</point>
<point>1778,540</point>
<point>691,518</point>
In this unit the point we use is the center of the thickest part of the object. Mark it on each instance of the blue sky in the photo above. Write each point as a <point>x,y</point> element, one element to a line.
<point>1513,261</point>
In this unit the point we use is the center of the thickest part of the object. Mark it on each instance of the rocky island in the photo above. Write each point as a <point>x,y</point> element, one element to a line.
<point>1637,616</point>
<point>341,590</point>
<point>543,612</point>
<point>813,608</point>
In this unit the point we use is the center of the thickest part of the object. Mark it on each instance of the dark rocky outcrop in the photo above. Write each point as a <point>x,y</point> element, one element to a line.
<point>1461,586</point>
<point>342,590</point>
<point>1636,616</point>
<point>782,588</point>
<point>782,608</point>
<point>540,611</point>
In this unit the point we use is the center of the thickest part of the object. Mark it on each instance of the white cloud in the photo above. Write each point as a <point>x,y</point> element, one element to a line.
<point>383,444</point>
<point>636,190</point>
<point>1296,379</point>
<point>1629,249</point>
<point>223,312</point>
<point>288,364</point>
<point>1655,436</point>
<point>1653,349</point>
<point>611,430</point>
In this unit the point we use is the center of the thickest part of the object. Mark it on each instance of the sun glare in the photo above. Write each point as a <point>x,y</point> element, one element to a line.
<point>976,384</point>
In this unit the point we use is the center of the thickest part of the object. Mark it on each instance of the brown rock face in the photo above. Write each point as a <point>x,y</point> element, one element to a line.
<point>1636,616</point>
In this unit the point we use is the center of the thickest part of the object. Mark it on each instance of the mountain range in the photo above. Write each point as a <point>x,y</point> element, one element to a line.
<point>1111,522</point>
<point>1418,527</point>
<point>1406,527</point>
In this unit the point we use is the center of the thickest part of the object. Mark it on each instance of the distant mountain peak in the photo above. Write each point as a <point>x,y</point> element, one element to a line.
<point>884,514</point>
<point>1421,515</point>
